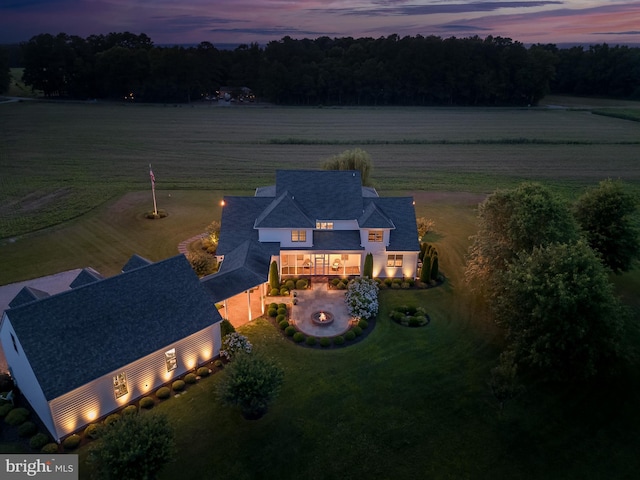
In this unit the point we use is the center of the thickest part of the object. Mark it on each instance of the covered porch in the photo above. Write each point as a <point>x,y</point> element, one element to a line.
<point>320,263</point>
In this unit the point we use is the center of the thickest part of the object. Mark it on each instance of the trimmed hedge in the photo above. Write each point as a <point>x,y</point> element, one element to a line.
<point>92,431</point>
<point>113,418</point>
<point>147,403</point>
<point>17,416</point>
<point>282,305</point>
<point>283,324</point>
<point>350,335</point>
<point>357,330</point>
<point>311,341</point>
<point>204,371</point>
<point>190,378</point>
<point>290,331</point>
<point>363,324</point>
<point>130,410</point>
<point>27,429</point>
<point>164,392</point>
<point>38,441</point>
<point>299,337</point>
<point>5,409</point>
<point>280,318</point>
<point>301,284</point>
<point>71,442</point>
<point>339,340</point>
<point>272,312</point>
<point>50,448</point>
<point>217,364</point>
<point>178,385</point>
<point>325,342</point>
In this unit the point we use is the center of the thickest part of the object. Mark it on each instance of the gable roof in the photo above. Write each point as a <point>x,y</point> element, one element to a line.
<point>86,276</point>
<point>373,217</point>
<point>238,219</point>
<point>79,335</point>
<point>136,261</point>
<point>284,212</point>
<point>401,212</point>
<point>27,295</point>
<point>242,269</point>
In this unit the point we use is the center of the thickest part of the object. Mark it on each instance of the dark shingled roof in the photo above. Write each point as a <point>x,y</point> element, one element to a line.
<point>242,269</point>
<point>72,338</point>
<point>27,295</point>
<point>401,212</point>
<point>333,240</point>
<point>373,217</point>
<point>284,212</point>
<point>136,261</point>
<point>85,277</point>
<point>238,218</point>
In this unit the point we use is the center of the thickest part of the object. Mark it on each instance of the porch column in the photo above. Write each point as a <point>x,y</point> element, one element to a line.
<point>249,303</point>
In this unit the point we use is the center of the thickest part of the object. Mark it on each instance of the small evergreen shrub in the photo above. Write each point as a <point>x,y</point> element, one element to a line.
<point>349,336</point>
<point>92,431</point>
<point>388,281</point>
<point>405,285</point>
<point>311,341</point>
<point>17,416</point>
<point>383,286</point>
<point>325,342</point>
<point>147,403</point>
<point>275,292</point>
<point>113,418</point>
<point>283,324</point>
<point>71,442</point>
<point>178,385</point>
<point>339,340</point>
<point>190,378</point>
<point>341,285</point>
<point>273,305</point>
<point>204,371</point>
<point>27,429</point>
<point>357,330</point>
<point>272,312</point>
<point>282,305</point>
<point>284,291</point>
<point>290,284</point>
<point>164,392</point>
<point>335,282</point>
<point>38,441</point>
<point>280,318</point>
<point>301,284</point>
<point>5,409</point>
<point>217,364</point>
<point>50,448</point>
<point>282,310</point>
<point>290,331</point>
<point>226,328</point>
<point>130,410</point>
<point>363,324</point>
<point>298,337</point>
<point>395,286</point>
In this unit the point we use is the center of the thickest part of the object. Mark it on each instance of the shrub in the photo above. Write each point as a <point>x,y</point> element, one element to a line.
<point>357,330</point>
<point>92,431</point>
<point>383,286</point>
<point>301,284</point>
<point>290,284</point>
<point>233,344</point>
<point>273,305</point>
<point>27,429</point>
<point>290,331</point>
<point>272,312</point>
<point>17,416</point>
<point>388,282</point>
<point>226,328</point>
<point>284,291</point>
<point>178,385</point>
<point>164,392</point>
<point>405,285</point>
<point>282,305</point>
<point>190,378</point>
<point>280,318</point>
<point>298,337</point>
<point>325,342</point>
<point>311,341</point>
<point>274,292</point>
<point>414,322</point>
<point>395,286</point>
<point>363,324</point>
<point>362,298</point>
<point>339,340</point>
<point>217,364</point>
<point>350,335</point>
<point>341,285</point>
<point>335,282</point>
<point>111,419</point>
<point>50,448</point>
<point>5,409</point>
<point>130,410</point>
<point>204,371</point>
<point>283,324</point>
<point>71,442</point>
<point>274,277</point>
<point>38,441</point>
<point>147,402</point>
<point>282,310</point>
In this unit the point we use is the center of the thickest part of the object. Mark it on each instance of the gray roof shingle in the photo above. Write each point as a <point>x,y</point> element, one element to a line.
<point>86,276</point>
<point>79,335</point>
<point>27,295</point>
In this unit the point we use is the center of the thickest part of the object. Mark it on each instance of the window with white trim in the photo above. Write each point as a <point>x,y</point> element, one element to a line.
<point>375,236</point>
<point>298,235</point>
<point>120,387</point>
<point>324,225</point>
<point>394,261</point>
<point>171,360</point>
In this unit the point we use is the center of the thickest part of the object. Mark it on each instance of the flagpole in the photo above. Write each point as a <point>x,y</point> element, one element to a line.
<point>153,191</point>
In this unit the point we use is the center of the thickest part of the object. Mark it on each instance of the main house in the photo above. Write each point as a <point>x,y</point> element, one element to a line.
<point>78,355</point>
<point>323,223</point>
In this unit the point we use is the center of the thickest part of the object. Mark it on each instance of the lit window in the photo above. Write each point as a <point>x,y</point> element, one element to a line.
<point>375,235</point>
<point>15,345</point>
<point>120,385</point>
<point>394,261</point>
<point>171,360</point>
<point>298,235</point>
<point>324,225</point>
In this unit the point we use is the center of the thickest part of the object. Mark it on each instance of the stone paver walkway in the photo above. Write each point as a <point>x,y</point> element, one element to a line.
<point>320,299</point>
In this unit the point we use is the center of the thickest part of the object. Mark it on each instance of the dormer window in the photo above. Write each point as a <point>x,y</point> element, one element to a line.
<point>298,235</point>
<point>375,236</point>
<point>324,225</point>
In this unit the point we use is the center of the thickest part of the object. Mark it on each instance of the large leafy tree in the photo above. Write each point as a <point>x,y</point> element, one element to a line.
<point>558,307</point>
<point>605,214</point>
<point>356,159</point>
<point>516,220</point>
<point>136,446</point>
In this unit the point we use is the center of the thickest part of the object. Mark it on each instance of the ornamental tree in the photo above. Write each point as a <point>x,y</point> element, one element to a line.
<point>362,298</point>
<point>233,344</point>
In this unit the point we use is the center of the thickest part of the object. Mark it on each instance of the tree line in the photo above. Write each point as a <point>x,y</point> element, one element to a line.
<point>333,71</point>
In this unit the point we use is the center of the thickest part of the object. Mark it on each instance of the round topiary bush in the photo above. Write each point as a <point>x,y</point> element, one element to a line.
<point>339,340</point>
<point>164,392</point>
<point>27,429</point>
<point>190,378</point>
<point>178,385</point>
<point>335,281</point>
<point>282,305</point>
<point>272,312</point>
<point>350,335</point>
<point>290,284</point>
<point>274,292</point>
<point>38,441</point>
<point>147,402</point>
<point>92,431</point>
<point>204,371</point>
<point>17,416</point>
<point>130,410</point>
<point>284,291</point>
<point>281,311</point>
<point>113,418</point>
<point>71,442</point>
<point>298,337</point>
<point>50,448</point>
<point>325,342</point>
<point>357,330</point>
<point>301,284</point>
<point>363,324</point>
<point>283,324</point>
<point>290,331</point>
<point>280,318</point>
<point>311,341</point>
<point>5,409</point>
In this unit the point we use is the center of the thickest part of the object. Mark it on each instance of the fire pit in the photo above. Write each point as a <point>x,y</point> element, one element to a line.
<point>322,318</point>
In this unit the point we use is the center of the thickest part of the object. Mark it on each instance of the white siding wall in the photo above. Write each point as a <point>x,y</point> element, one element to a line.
<point>23,374</point>
<point>408,269</point>
<point>374,246</point>
<point>344,224</point>
<point>85,404</point>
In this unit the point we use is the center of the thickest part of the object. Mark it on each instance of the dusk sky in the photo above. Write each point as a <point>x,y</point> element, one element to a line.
<point>243,21</point>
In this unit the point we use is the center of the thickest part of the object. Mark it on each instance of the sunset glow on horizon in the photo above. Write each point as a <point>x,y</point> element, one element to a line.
<point>225,22</point>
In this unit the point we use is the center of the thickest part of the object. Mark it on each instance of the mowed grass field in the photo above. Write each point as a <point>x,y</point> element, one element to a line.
<point>404,403</point>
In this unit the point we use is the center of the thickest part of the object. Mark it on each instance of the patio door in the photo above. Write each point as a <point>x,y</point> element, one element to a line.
<point>320,264</point>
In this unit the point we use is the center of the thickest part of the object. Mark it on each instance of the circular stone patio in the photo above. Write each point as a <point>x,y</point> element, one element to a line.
<point>320,299</point>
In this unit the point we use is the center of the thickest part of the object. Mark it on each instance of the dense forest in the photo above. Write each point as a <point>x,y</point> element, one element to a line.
<point>328,71</point>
